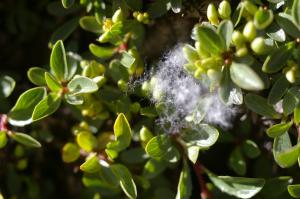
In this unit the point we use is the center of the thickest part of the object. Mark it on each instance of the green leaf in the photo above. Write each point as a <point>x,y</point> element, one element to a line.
<point>90,23</point>
<point>263,18</point>
<point>284,153</point>
<point>237,186</point>
<point>260,105</point>
<point>133,156</point>
<point>229,93</point>
<point>74,99</point>
<point>285,21</point>
<point>86,140</point>
<point>82,85</point>
<point>25,140</point>
<point>64,31</point>
<point>184,188</point>
<point>153,168</point>
<point>102,52</point>
<point>245,77</point>
<point>277,59</point>
<point>112,34</point>
<point>161,147</point>
<point>204,137</point>
<point>3,139</point>
<point>67,3</point>
<point>251,149</point>
<point>52,83</point>
<point>70,152</point>
<point>157,8</point>
<point>21,113</point>
<point>290,100</point>
<point>278,129</point>
<point>297,115</point>
<point>237,162</point>
<point>225,29</point>
<point>122,133</point>
<point>125,179</point>
<point>294,190</point>
<point>58,61</point>
<point>209,39</point>
<point>37,76</point>
<point>91,165</point>
<point>296,12</point>
<point>276,186</point>
<point>127,60</point>
<point>278,90</point>
<point>7,85</point>
<point>134,4</point>
<point>46,107</point>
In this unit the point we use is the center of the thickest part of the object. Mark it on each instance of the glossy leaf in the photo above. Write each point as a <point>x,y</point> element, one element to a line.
<point>127,60</point>
<point>184,188</point>
<point>153,168</point>
<point>21,113</point>
<point>64,31</point>
<point>86,140</point>
<point>250,149</point>
<point>37,76</point>
<point>70,152</point>
<point>90,23</point>
<point>7,85</point>
<point>67,3</point>
<point>209,39</point>
<point>278,129</point>
<point>284,153</point>
<point>82,85</point>
<point>3,139</point>
<point>25,140</point>
<point>245,77</point>
<point>205,136</point>
<point>277,60</point>
<point>274,187</point>
<point>260,105</point>
<point>237,162</point>
<point>225,29</point>
<point>102,52</point>
<point>161,147</point>
<point>291,100</point>
<point>297,115</point>
<point>134,4</point>
<point>58,61</point>
<point>125,180</point>
<point>296,12</point>
<point>91,165</point>
<point>294,190</point>
<point>237,186</point>
<point>46,107</point>
<point>278,90</point>
<point>193,153</point>
<point>52,83</point>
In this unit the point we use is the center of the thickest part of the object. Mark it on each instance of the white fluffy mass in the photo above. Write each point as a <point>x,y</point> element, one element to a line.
<point>187,101</point>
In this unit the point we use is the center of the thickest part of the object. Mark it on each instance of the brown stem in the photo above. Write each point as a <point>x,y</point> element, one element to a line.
<point>204,192</point>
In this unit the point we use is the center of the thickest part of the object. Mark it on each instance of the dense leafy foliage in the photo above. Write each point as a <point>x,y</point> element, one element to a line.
<point>248,53</point>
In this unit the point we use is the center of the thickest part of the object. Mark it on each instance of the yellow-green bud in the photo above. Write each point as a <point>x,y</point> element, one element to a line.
<point>263,18</point>
<point>250,7</point>
<point>135,14</point>
<point>241,52</point>
<point>238,38</point>
<point>140,17</point>
<point>249,31</point>
<point>224,9</point>
<point>259,46</point>
<point>122,85</point>
<point>145,134</point>
<point>198,73</point>
<point>135,107</point>
<point>209,63</point>
<point>201,52</point>
<point>212,14</point>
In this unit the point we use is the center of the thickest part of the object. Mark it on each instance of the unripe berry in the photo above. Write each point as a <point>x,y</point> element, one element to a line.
<point>224,9</point>
<point>249,31</point>
<point>135,14</point>
<point>238,38</point>
<point>259,46</point>
<point>241,52</point>
<point>291,75</point>
<point>212,14</point>
<point>250,7</point>
<point>135,107</point>
<point>140,17</point>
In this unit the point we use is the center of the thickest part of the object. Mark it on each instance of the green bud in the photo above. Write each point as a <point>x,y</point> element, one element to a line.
<point>209,63</point>
<point>241,52</point>
<point>135,14</point>
<point>259,46</point>
<point>238,38</point>
<point>291,75</point>
<point>140,17</point>
<point>249,31</point>
<point>3,139</point>
<point>84,125</point>
<point>263,18</point>
<point>146,15</point>
<point>135,107</point>
<point>250,7</point>
<point>212,14</point>
<point>198,73</point>
<point>224,9</point>
<point>190,53</point>
<point>118,16</point>
<point>70,152</point>
<point>145,134</point>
